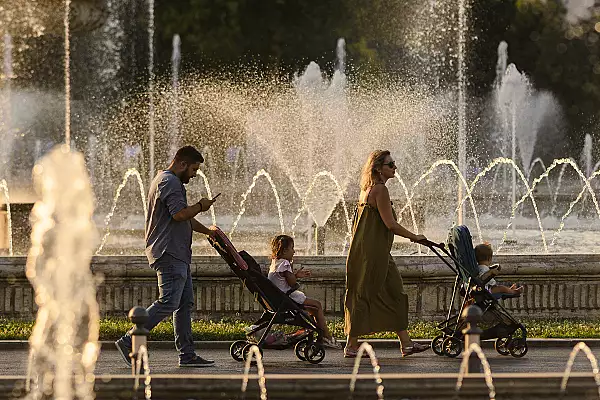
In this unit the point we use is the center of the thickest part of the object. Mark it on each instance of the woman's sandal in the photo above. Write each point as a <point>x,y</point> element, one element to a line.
<point>352,353</point>
<point>415,348</point>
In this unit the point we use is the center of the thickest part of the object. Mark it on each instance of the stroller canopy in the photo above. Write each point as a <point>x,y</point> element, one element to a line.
<point>461,246</point>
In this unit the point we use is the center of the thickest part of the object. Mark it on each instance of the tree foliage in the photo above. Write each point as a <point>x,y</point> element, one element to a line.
<point>284,35</point>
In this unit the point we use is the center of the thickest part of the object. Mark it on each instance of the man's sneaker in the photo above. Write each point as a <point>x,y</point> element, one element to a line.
<point>196,362</point>
<point>123,351</point>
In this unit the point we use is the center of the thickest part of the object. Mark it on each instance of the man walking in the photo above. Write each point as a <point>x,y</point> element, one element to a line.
<point>169,225</point>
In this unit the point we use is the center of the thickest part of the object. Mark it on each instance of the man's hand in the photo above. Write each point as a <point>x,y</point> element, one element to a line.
<point>206,203</point>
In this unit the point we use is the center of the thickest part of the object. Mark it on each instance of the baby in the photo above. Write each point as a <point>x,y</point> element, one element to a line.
<point>484,254</point>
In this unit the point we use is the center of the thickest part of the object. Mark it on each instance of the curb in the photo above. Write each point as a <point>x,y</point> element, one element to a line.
<point>376,343</point>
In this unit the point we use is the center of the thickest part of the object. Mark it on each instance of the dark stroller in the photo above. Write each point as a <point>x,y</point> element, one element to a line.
<point>497,323</point>
<point>278,307</point>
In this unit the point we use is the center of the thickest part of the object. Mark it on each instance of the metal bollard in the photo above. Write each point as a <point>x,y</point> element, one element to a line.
<point>139,316</point>
<point>472,314</point>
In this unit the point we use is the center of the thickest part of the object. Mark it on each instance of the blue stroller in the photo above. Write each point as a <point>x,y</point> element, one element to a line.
<point>497,323</point>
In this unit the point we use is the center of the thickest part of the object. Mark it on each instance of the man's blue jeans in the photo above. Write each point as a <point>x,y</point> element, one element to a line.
<point>176,297</point>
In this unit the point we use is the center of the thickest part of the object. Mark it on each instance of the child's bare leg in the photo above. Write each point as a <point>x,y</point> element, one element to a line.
<point>316,309</point>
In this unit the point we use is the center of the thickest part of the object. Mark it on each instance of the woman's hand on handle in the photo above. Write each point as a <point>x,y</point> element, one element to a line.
<point>418,238</point>
<point>423,241</point>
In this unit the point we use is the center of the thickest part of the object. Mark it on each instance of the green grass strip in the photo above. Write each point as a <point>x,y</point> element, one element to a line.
<point>232,329</point>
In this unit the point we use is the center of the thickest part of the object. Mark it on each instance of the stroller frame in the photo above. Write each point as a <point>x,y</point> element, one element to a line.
<point>278,307</point>
<point>510,334</point>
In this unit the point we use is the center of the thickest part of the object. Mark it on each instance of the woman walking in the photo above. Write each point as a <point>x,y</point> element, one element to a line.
<point>375,299</point>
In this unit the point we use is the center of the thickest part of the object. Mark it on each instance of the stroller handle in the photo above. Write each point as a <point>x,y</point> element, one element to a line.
<point>429,243</point>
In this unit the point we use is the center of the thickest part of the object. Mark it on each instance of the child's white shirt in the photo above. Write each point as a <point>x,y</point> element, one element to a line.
<point>482,270</point>
<point>278,266</point>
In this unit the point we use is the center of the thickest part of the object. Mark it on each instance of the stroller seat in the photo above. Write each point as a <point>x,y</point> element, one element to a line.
<point>278,307</point>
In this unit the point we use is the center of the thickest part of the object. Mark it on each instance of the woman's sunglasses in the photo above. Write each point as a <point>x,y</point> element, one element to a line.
<point>391,164</point>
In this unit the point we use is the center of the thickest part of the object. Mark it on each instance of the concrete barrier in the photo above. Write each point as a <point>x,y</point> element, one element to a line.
<point>565,286</point>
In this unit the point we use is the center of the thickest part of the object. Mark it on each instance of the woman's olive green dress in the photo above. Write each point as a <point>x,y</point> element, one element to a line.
<point>375,299</point>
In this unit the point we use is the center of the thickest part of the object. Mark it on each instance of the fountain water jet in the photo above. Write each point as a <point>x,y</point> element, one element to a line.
<point>579,347</point>
<point>460,177</point>
<point>304,206</point>
<point>142,360</point>
<point>558,185</point>
<point>340,193</point>
<point>571,205</point>
<point>254,353</point>
<point>209,194</point>
<point>412,213</point>
<point>260,173</point>
<point>4,188</point>
<point>503,160</point>
<point>523,110</point>
<point>5,104</point>
<point>555,163</point>
<point>462,104</point>
<point>366,347</point>
<point>541,162</point>
<point>64,341</point>
<point>67,62</point>
<point>128,173</point>
<point>586,155</point>
<point>475,348</point>
<point>175,118</point>
<point>151,78</point>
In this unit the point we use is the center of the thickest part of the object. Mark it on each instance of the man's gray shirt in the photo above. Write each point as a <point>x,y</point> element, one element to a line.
<point>166,197</point>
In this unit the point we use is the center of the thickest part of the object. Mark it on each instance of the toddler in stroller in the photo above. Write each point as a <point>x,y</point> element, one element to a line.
<point>278,308</point>
<point>497,323</point>
<point>487,271</point>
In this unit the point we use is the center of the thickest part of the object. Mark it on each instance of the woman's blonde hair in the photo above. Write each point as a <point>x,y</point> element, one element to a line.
<point>369,174</point>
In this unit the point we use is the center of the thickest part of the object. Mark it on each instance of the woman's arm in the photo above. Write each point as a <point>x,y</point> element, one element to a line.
<point>384,205</point>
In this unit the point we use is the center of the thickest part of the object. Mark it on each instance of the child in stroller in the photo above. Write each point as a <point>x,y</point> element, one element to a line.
<point>278,308</point>
<point>497,323</point>
<point>487,272</point>
<point>281,273</point>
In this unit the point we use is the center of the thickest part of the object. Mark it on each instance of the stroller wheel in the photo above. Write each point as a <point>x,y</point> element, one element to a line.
<point>314,352</point>
<point>246,351</point>
<point>501,345</point>
<point>236,350</point>
<point>299,349</point>
<point>518,347</point>
<point>452,347</point>
<point>437,345</point>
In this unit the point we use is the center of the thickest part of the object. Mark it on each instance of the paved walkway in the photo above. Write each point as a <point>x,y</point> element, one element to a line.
<point>164,361</point>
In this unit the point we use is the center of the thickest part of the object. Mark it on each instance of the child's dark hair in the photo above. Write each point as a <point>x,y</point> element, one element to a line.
<point>483,252</point>
<point>279,244</point>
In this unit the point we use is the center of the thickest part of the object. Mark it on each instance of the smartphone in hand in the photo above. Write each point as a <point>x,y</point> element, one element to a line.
<point>217,195</point>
